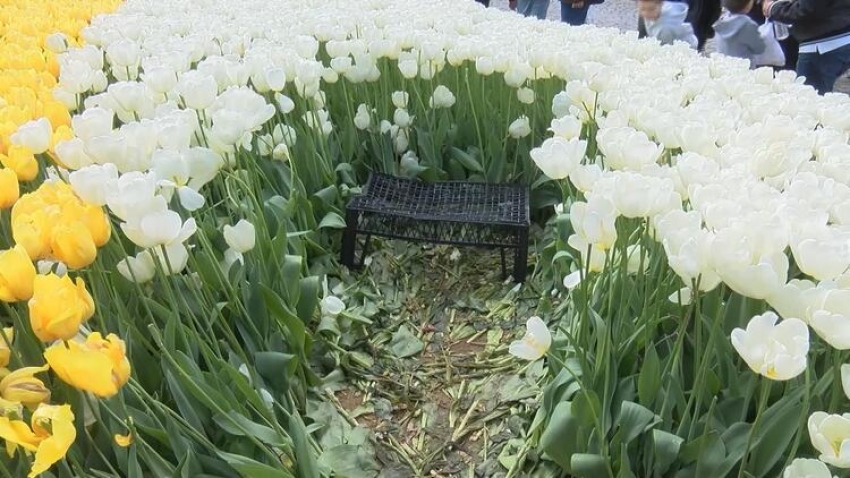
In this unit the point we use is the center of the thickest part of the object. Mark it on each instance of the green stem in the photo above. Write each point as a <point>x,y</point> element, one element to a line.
<point>764,394</point>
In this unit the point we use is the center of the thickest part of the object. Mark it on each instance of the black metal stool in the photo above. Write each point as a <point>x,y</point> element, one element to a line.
<point>449,212</point>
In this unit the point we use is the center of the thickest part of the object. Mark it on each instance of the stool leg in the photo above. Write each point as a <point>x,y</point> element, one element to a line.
<point>349,239</point>
<point>504,267</point>
<point>521,257</point>
<point>365,251</point>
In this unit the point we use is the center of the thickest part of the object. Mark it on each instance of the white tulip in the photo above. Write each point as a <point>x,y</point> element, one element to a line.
<point>823,252</point>
<point>845,379</point>
<point>595,221</point>
<point>158,227</point>
<point>525,96</point>
<point>284,102</point>
<point>93,122</point>
<point>123,53</point>
<point>56,43</point>
<point>408,68</point>
<point>241,237</point>
<point>75,76</point>
<point>362,119</point>
<point>332,306</point>
<point>807,468</point>
<point>72,154</point>
<point>519,128</point>
<point>830,314</point>
<point>567,127</point>
<point>68,99</point>
<point>400,99</point>
<point>173,259</point>
<point>795,299</point>
<point>285,134</point>
<point>627,149</point>
<point>535,343</point>
<point>89,183</point>
<point>441,98</point>
<point>776,351</point>
<point>561,105</point>
<point>402,118</point>
<point>35,135</point>
<point>830,435</point>
<point>197,90</point>
<point>484,66</point>
<point>140,268</point>
<point>584,176</point>
<point>161,79</point>
<point>557,157</point>
<point>636,195</point>
<point>341,65</point>
<point>281,152</point>
<point>637,256</point>
<point>231,257</point>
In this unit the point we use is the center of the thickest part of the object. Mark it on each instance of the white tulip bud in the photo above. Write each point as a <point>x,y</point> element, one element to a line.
<point>241,237</point>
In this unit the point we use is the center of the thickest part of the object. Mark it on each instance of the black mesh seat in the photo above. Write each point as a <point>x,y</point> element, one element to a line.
<point>449,212</point>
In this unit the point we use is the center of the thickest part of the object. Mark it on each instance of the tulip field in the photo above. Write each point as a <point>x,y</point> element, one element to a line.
<point>173,181</point>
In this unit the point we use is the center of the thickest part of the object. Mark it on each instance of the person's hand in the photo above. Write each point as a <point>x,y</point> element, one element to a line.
<point>578,5</point>
<point>765,7</point>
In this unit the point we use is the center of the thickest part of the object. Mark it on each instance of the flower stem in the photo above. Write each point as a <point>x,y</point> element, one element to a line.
<point>763,396</point>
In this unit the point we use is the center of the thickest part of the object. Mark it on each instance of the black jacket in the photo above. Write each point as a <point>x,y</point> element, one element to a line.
<point>813,19</point>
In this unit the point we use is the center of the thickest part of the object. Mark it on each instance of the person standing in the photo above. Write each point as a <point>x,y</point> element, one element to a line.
<point>666,21</point>
<point>575,12</point>
<point>701,15</point>
<point>789,45</point>
<point>737,34</point>
<point>533,8</point>
<point>823,29</point>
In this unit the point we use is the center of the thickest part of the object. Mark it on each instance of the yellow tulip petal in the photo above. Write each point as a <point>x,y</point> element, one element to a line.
<point>82,368</point>
<point>9,188</point>
<point>17,433</point>
<point>54,447</point>
<point>123,440</point>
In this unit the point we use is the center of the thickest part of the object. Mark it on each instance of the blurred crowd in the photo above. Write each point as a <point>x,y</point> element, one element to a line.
<point>811,37</point>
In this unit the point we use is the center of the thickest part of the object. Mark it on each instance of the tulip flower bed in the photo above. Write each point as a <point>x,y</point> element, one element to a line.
<point>174,176</point>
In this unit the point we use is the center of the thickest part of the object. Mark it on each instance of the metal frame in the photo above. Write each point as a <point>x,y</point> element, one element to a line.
<point>447,212</point>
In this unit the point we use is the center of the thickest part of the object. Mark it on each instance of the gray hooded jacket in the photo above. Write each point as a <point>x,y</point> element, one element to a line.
<point>738,35</point>
<point>672,25</point>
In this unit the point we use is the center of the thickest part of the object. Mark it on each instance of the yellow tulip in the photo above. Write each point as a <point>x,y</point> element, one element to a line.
<point>55,424</point>
<point>97,223</point>
<point>10,409</point>
<point>98,365</point>
<point>7,335</point>
<point>9,189</point>
<point>72,244</point>
<point>58,307</point>
<point>63,131</point>
<point>20,160</point>
<point>17,274</point>
<point>32,232</point>
<point>22,386</point>
<point>18,434</point>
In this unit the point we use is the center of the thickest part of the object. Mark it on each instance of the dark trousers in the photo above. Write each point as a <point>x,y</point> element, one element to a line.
<point>823,69</point>
<point>486,3</point>
<point>574,16</point>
